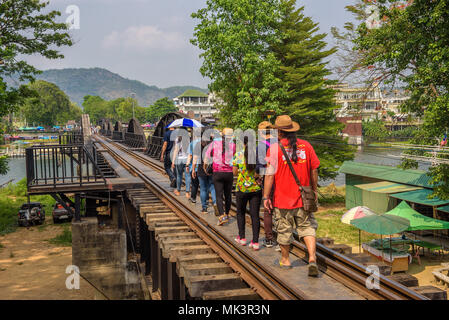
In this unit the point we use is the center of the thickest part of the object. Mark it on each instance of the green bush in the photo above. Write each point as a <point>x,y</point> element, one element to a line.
<point>8,215</point>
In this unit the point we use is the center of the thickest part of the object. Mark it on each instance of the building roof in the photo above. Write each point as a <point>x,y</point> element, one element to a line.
<point>386,187</point>
<point>444,209</point>
<point>411,177</point>
<point>194,93</point>
<point>421,197</point>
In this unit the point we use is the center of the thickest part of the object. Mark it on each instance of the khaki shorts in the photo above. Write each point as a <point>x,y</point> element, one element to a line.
<point>286,220</point>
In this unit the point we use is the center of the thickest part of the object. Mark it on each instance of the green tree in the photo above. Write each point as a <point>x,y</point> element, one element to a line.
<point>4,165</point>
<point>96,107</point>
<point>235,37</point>
<point>112,108</point>
<point>125,110</point>
<point>375,129</point>
<point>24,31</point>
<point>411,47</point>
<point>159,109</point>
<point>309,100</point>
<point>50,105</point>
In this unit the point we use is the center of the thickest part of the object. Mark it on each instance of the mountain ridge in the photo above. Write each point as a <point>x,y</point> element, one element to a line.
<point>79,82</point>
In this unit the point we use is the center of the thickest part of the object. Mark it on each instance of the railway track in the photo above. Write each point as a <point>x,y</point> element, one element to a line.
<point>267,284</point>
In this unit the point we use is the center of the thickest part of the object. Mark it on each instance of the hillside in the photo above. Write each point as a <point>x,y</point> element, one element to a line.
<point>77,83</point>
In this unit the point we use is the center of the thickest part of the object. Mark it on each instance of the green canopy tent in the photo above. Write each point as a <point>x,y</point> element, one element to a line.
<point>382,224</point>
<point>417,220</point>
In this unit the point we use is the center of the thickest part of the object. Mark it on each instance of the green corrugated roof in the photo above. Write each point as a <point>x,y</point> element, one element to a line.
<point>194,93</point>
<point>411,177</point>
<point>386,187</point>
<point>421,197</point>
<point>444,209</point>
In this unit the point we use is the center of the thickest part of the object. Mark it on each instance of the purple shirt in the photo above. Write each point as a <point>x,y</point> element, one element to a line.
<point>218,165</point>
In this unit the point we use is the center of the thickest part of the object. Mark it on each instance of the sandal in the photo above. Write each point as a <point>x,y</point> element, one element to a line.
<point>223,219</point>
<point>283,266</point>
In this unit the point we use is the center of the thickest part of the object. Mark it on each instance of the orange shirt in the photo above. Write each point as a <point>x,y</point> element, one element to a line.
<point>286,192</point>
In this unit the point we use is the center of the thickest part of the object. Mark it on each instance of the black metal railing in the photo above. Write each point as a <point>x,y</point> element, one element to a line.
<point>117,135</point>
<point>60,165</point>
<point>154,146</point>
<point>134,140</point>
<point>71,138</point>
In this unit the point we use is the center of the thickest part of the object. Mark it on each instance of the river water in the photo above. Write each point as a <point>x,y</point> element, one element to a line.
<point>372,155</point>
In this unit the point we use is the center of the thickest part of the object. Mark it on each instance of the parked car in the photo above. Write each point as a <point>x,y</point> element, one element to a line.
<point>31,214</point>
<point>61,214</point>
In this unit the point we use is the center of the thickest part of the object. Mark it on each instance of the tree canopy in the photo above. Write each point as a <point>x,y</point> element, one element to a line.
<point>160,108</point>
<point>49,106</point>
<point>267,56</point>
<point>235,37</point>
<point>25,30</point>
<point>120,109</point>
<point>409,46</point>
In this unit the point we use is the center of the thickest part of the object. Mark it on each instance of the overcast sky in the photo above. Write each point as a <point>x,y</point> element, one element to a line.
<point>148,40</point>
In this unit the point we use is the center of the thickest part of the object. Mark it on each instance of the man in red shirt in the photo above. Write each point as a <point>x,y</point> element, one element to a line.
<point>287,203</point>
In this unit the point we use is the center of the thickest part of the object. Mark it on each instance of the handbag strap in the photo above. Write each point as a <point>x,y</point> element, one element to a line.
<point>291,167</point>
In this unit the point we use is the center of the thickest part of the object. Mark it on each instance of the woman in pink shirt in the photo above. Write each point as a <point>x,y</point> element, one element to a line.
<point>222,171</point>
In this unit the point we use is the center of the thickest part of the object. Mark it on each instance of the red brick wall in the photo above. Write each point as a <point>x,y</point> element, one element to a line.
<point>353,125</point>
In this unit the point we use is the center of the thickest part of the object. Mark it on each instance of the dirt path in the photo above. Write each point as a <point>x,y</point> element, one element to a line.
<point>33,268</point>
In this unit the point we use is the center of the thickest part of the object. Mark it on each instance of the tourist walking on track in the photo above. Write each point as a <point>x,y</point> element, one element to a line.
<point>292,166</point>
<point>165,156</point>
<point>205,180</point>
<point>179,164</point>
<point>265,141</point>
<point>221,152</point>
<point>194,148</point>
<point>248,189</point>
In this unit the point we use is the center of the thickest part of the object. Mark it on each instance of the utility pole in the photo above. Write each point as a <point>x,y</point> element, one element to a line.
<point>133,97</point>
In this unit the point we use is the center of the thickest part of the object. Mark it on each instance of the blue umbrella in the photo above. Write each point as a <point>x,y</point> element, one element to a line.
<point>185,122</point>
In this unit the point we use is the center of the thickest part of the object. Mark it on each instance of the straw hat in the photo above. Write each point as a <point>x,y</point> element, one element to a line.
<point>228,132</point>
<point>285,123</point>
<point>264,125</point>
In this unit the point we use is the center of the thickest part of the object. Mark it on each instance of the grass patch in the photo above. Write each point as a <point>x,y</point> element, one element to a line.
<point>64,239</point>
<point>19,263</point>
<point>11,199</point>
<point>332,194</point>
<point>11,255</point>
<point>329,225</point>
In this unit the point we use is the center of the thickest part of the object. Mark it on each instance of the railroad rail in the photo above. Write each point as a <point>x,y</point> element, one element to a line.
<point>268,284</point>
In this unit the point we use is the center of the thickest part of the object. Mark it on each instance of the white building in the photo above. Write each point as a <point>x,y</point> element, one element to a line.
<point>201,104</point>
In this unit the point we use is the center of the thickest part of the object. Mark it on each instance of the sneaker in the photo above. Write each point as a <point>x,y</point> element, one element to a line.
<point>313,269</point>
<point>176,192</point>
<point>204,211</point>
<point>269,243</point>
<point>254,245</point>
<point>192,200</point>
<point>217,213</point>
<point>240,241</point>
<point>277,248</point>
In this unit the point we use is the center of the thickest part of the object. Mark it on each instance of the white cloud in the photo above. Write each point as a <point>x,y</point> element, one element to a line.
<point>143,38</point>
